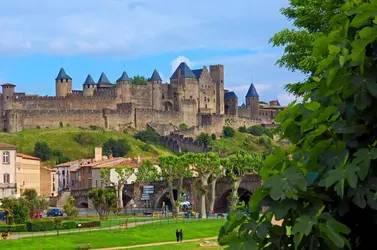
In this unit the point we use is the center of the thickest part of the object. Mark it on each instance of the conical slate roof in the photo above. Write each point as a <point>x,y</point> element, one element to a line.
<point>123,77</point>
<point>155,76</point>
<point>62,75</point>
<point>197,72</point>
<point>186,72</point>
<point>103,80</point>
<point>89,80</point>
<point>252,91</point>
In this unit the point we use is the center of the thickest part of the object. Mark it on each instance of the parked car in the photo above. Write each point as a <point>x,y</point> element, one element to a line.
<point>35,215</point>
<point>3,214</point>
<point>54,212</point>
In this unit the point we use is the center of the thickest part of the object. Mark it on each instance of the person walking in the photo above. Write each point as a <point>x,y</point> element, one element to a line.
<point>177,235</point>
<point>180,235</point>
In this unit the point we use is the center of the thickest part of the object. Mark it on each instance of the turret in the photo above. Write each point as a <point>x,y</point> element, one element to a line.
<point>156,82</point>
<point>103,82</point>
<point>123,88</point>
<point>252,101</point>
<point>182,74</point>
<point>8,92</point>
<point>231,103</point>
<point>89,86</point>
<point>63,84</point>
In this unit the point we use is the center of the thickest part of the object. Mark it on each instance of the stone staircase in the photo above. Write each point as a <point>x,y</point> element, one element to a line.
<point>63,199</point>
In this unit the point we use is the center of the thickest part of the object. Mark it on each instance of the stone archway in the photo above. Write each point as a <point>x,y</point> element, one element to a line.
<point>83,205</point>
<point>168,106</point>
<point>221,204</point>
<point>165,197</point>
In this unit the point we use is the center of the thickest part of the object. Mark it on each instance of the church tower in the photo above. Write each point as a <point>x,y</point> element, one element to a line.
<point>252,102</point>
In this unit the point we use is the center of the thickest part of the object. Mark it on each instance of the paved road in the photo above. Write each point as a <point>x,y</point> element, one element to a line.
<point>155,244</point>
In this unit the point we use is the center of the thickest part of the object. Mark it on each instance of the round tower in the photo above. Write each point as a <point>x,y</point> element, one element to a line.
<point>252,102</point>
<point>89,86</point>
<point>63,84</point>
<point>7,97</point>
<point>123,88</point>
<point>156,82</point>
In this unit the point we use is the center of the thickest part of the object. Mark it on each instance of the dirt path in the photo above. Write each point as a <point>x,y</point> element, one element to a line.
<point>155,244</point>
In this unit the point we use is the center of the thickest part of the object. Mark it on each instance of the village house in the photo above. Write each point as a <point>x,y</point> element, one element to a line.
<point>48,183</point>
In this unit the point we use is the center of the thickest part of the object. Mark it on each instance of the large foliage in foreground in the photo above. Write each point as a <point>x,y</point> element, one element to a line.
<point>326,191</point>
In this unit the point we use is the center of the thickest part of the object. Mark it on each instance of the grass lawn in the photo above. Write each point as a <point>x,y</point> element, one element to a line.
<point>63,139</point>
<point>114,238</point>
<point>240,142</point>
<point>181,246</point>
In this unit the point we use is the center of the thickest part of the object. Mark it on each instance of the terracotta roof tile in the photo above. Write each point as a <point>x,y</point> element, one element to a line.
<point>7,146</point>
<point>28,157</point>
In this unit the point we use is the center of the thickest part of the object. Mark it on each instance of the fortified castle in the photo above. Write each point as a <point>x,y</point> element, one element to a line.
<point>194,97</point>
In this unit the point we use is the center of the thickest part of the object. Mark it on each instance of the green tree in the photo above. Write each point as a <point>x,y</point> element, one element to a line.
<point>237,167</point>
<point>174,168</point>
<point>122,173</point>
<point>148,136</point>
<point>205,165</point>
<point>139,80</point>
<point>147,172</point>
<point>217,172</point>
<point>228,131</point>
<point>242,129</point>
<point>33,201</point>
<point>70,207</point>
<point>18,210</point>
<point>204,139</point>
<point>116,148</point>
<point>256,130</point>
<point>324,184</point>
<point>42,151</point>
<point>102,199</point>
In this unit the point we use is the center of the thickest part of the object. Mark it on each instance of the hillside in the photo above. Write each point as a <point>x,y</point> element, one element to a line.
<point>240,142</point>
<point>64,140</point>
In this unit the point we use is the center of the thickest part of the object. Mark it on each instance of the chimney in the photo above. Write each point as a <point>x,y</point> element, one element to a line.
<point>98,154</point>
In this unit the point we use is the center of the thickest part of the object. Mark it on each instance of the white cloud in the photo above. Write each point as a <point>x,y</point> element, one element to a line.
<point>175,63</point>
<point>132,28</point>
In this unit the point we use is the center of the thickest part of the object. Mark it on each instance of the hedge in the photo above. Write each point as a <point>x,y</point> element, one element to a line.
<point>89,224</point>
<point>13,228</point>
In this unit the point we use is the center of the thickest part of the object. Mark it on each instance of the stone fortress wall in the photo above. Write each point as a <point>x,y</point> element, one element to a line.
<point>194,97</point>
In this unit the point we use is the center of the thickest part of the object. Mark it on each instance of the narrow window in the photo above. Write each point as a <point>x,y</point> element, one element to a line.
<point>6,178</point>
<point>6,157</point>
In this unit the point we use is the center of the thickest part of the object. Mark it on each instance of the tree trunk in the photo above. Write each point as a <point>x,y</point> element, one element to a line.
<point>234,194</point>
<point>203,192</point>
<point>172,200</point>
<point>212,196</point>
<point>120,195</point>
<point>179,191</point>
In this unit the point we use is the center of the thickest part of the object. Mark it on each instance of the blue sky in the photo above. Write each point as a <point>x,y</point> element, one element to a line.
<point>94,36</point>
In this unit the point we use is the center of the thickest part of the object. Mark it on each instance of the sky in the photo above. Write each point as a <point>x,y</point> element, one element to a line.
<point>39,37</point>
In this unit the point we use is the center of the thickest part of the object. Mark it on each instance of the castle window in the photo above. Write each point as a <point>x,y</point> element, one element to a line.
<point>190,96</point>
<point>214,100</point>
<point>205,98</point>
<point>6,178</point>
<point>61,80</point>
<point>163,96</point>
<point>206,105</point>
<point>214,92</point>
<point>221,81</point>
<point>6,157</point>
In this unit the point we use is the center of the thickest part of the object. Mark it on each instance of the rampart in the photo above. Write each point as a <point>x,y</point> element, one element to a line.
<point>179,144</point>
<point>145,116</point>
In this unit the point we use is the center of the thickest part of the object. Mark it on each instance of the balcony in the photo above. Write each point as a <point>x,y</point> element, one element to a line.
<point>8,185</point>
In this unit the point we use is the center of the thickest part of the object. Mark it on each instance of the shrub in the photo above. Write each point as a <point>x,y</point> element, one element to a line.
<point>84,139</point>
<point>18,208</point>
<point>38,127</point>
<point>213,137</point>
<point>148,136</point>
<point>94,127</point>
<point>204,138</point>
<point>13,228</point>
<point>69,224</point>
<point>61,124</point>
<point>116,148</point>
<point>256,130</point>
<point>183,126</point>
<point>68,125</point>
<point>242,129</point>
<point>42,151</point>
<point>228,131</point>
<point>63,159</point>
<point>40,225</point>
<point>145,147</point>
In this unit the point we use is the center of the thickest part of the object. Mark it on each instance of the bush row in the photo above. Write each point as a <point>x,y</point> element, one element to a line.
<point>46,225</point>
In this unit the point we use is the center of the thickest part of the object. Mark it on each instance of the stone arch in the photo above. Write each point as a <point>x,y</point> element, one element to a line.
<point>126,199</point>
<point>221,203</point>
<point>164,197</point>
<point>168,106</point>
<point>83,205</point>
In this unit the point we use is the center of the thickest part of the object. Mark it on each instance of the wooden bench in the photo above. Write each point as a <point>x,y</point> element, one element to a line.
<point>5,235</point>
<point>156,214</point>
<point>84,246</point>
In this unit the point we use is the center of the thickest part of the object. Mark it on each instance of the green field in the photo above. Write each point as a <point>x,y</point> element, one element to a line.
<point>63,139</point>
<point>114,238</point>
<point>240,142</point>
<point>181,246</point>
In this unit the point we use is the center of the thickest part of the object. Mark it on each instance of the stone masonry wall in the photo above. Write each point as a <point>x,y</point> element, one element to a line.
<point>145,116</point>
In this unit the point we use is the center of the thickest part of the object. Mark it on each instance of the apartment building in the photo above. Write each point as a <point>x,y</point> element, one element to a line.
<point>28,172</point>
<point>48,182</point>
<point>8,186</point>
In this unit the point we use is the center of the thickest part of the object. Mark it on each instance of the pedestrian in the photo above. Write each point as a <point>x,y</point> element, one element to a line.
<point>177,235</point>
<point>180,235</point>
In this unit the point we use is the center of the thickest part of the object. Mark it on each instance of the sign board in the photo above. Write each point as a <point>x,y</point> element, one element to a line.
<point>148,187</point>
